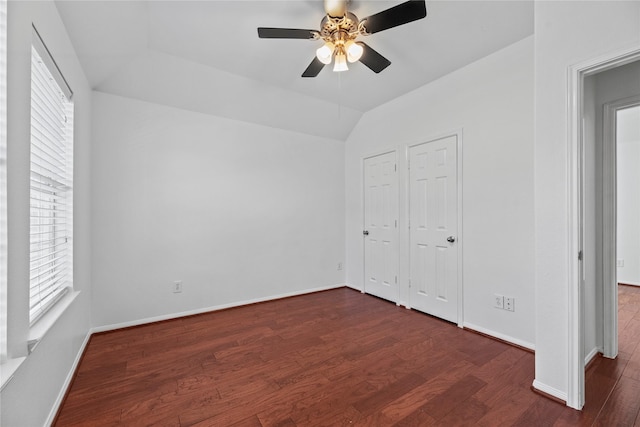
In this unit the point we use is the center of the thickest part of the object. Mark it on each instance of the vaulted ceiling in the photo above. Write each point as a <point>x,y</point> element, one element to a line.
<point>205,55</point>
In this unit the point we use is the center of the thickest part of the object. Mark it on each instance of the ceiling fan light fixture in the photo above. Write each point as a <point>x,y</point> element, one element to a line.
<point>325,52</point>
<point>340,63</point>
<point>339,30</point>
<point>354,51</point>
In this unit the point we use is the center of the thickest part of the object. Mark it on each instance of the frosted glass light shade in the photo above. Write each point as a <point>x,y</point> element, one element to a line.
<point>354,51</point>
<point>340,63</point>
<point>324,53</point>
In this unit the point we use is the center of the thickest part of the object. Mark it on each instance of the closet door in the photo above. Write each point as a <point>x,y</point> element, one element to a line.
<point>380,226</point>
<point>433,211</point>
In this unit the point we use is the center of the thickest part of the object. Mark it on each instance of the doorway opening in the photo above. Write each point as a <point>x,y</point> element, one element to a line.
<point>628,194</point>
<point>600,90</point>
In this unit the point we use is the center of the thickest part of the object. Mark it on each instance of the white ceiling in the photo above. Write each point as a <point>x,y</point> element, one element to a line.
<point>206,56</point>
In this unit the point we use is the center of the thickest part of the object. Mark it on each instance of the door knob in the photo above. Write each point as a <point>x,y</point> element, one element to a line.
<point>365,232</point>
<point>451,239</point>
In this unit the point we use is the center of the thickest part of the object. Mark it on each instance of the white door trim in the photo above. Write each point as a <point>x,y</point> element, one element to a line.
<point>459,239</point>
<point>609,219</point>
<point>576,75</point>
<point>396,233</point>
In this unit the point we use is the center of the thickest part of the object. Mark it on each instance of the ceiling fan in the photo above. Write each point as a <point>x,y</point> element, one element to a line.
<point>339,30</point>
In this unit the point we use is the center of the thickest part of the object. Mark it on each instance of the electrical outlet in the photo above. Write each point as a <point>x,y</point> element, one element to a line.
<point>620,263</point>
<point>498,301</point>
<point>177,286</point>
<point>339,266</point>
<point>509,304</point>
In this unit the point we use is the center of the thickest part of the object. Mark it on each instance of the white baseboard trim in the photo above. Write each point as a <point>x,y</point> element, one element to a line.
<point>624,282</point>
<point>593,353</point>
<point>361,290</point>
<point>67,381</point>
<point>500,336</point>
<point>139,322</point>
<point>355,288</point>
<point>550,390</point>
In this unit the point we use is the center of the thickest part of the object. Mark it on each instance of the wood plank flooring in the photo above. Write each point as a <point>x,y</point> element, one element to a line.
<point>613,386</point>
<point>330,359</point>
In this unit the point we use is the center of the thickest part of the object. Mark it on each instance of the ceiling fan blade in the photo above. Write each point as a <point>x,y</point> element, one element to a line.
<point>285,33</point>
<point>314,68</point>
<point>373,59</point>
<point>401,14</point>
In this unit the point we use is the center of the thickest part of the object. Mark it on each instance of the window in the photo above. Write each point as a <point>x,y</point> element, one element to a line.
<point>51,192</point>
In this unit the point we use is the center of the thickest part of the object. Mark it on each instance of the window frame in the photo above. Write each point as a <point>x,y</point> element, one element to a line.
<point>51,183</point>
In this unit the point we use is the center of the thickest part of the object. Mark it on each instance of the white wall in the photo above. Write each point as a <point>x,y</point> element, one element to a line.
<point>236,211</point>
<point>628,153</point>
<point>491,100</point>
<point>29,397</point>
<point>566,33</point>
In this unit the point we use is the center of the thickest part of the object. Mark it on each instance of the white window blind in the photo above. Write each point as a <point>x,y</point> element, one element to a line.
<point>3,180</point>
<point>51,183</point>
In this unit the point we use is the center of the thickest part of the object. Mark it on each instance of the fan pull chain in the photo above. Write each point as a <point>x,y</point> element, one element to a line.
<point>339,96</point>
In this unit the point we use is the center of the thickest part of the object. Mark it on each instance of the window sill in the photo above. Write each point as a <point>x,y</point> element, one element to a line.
<point>46,322</point>
<point>8,368</point>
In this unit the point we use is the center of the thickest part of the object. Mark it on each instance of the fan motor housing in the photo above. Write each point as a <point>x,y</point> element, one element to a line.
<point>330,27</point>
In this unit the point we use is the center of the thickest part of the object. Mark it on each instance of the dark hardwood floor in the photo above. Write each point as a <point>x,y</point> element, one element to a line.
<point>613,386</point>
<point>329,359</point>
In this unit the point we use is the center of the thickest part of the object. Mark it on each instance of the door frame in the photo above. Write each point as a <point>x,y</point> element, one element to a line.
<point>364,207</point>
<point>575,149</point>
<point>458,134</point>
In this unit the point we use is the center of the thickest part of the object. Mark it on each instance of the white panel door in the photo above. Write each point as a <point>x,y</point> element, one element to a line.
<point>433,211</point>
<point>380,226</point>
